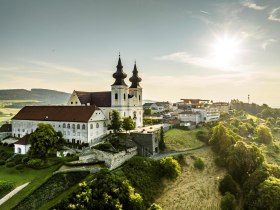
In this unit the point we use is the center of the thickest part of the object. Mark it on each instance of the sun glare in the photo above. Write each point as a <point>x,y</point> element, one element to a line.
<point>225,50</point>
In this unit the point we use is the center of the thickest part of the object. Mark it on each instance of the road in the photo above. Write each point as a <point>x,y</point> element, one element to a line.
<point>12,193</point>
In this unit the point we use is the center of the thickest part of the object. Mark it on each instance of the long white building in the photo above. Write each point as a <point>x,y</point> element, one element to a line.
<point>87,115</point>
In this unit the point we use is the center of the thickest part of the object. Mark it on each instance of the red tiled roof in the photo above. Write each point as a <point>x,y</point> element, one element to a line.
<point>56,113</point>
<point>100,99</point>
<point>24,140</point>
<point>6,128</point>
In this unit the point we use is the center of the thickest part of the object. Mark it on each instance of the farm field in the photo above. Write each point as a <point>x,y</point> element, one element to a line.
<point>179,139</point>
<point>194,189</point>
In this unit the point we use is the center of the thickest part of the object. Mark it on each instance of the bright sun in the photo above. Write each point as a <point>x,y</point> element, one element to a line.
<point>225,50</point>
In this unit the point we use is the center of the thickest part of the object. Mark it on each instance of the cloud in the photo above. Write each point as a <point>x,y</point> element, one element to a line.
<point>275,15</point>
<point>202,11</point>
<point>267,42</point>
<point>252,5</point>
<point>204,62</point>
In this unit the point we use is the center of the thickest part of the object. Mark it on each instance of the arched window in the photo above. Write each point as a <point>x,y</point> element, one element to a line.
<point>91,126</point>
<point>97,125</point>
<point>116,96</point>
<point>73,126</point>
<point>124,96</point>
<point>19,150</point>
<point>134,115</point>
<point>83,126</point>
<point>78,126</point>
<point>139,97</point>
<point>68,125</point>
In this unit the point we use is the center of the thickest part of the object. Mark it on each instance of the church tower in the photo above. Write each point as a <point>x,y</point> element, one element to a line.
<point>119,91</point>
<point>135,89</point>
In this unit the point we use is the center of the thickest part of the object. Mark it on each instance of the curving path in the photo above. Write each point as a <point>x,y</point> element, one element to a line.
<point>12,193</point>
<point>169,153</point>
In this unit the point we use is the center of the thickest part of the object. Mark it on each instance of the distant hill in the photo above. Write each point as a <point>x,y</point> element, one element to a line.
<point>43,96</point>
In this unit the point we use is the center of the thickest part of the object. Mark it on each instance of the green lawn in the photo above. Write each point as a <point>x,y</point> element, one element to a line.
<point>179,139</point>
<point>35,177</point>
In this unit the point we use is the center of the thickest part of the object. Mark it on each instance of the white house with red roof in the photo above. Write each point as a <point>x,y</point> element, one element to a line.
<point>22,145</point>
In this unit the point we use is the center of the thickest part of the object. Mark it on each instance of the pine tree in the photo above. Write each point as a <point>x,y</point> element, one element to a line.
<point>161,139</point>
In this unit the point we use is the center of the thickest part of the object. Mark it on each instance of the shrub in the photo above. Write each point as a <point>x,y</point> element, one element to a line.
<point>35,163</point>
<point>25,160</point>
<point>2,162</point>
<point>5,187</point>
<point>202,136</point>
<point>18,159</point>
<point>199,164</point>
<point>170,167</point>
<point>227,184</point>
<point>155,206</point>
<point>181,159</point>
<point>11,145</point>
<point>5,144</point>
<point>228,202</point>
<point>20,167</point>
<point>10,164</point>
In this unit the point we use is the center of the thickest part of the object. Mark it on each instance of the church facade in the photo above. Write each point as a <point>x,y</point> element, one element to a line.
<point>87,114</point>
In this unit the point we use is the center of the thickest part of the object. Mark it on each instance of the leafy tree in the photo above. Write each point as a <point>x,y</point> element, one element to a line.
<point>43,139</point>
<point>161,145</point>
<point>243,159</point>
<point>227,184</point>
<point>264,134</point>
<point>128,124</point>
<point>170,167</point>
<point>106,191</point>
<point>147,111</point>
<point>228,202</point>
<point>116,121</point>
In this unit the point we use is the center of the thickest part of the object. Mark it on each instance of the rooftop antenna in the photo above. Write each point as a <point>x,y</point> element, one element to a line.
<point>248,98</point>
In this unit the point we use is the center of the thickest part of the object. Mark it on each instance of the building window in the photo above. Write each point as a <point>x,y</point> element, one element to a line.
<point>134,115</point>
<point>83,126</point>
<point>139,97</point>
<point>78,134</point>
<point>71,102</point>
<point>91,126</point>
<point>68,125</point>
<point>73,126</point>
<point>97,125</point>
<point>116,96</point>
<point>68,133</point>
<point>18,130</point>
<point>76,102</point>
<point>64,133</point>
<point>64,125</point>
<point>78,126</point>
<point>124,96</point>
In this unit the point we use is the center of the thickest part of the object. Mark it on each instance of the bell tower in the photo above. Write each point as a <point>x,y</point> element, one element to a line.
<point>135,88</point>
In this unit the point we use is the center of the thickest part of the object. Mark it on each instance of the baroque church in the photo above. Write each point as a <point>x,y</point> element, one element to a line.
<point>87,114</point>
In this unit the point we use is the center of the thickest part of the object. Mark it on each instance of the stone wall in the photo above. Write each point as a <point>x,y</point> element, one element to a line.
<point>112,160</point>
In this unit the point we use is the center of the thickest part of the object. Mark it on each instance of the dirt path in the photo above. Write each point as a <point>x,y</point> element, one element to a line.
<point>12,193</point>
<point>194,189</point>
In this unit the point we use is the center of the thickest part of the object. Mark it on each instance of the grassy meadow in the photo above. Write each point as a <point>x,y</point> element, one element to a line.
<point>180,139</point>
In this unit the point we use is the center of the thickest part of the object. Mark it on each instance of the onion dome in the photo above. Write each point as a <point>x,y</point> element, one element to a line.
<point>135,79</point>
<point>119,75</point>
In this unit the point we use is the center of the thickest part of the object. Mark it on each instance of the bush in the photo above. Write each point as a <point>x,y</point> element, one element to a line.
<point>25,160</point>
<point>5,187</point>
<point>202,136</point>
<point>199,164</point>
<point>155,206</point>
<point>228,202</point>
<point>18,159</point>
<point>5,144</point>
<point>11,145</point>
<point>20,167</point>
<point>2,162</point>
<point>35,163</point>
<point>10,164</point>
<point>170,167</point>
<point>227,184</point>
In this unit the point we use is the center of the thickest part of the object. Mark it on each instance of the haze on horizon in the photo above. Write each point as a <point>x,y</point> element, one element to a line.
<point>218,50</point>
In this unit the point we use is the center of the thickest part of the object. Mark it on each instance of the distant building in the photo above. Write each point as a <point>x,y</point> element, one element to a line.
<point>5,131</point>
<point>221,107</point>
<point>147,143</point>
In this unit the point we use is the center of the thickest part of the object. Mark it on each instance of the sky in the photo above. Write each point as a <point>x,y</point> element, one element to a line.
<point>218,50</point>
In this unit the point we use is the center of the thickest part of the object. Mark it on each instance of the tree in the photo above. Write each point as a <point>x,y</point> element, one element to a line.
<point>228,202</point>
<point>116,121</point>
<point>147,111</point>
<point>43,139</point>
<point>106,191</point>
<point>227,184</point>
<point>170,167</point>
<point>264,134</point>
<point>128,124</point>
<point>161,145</point>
